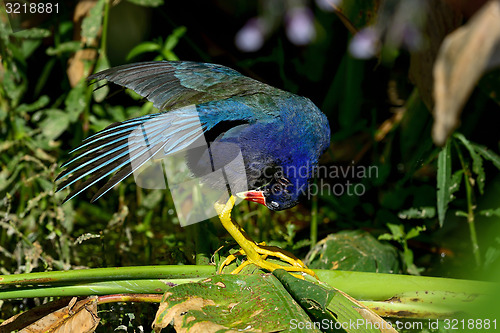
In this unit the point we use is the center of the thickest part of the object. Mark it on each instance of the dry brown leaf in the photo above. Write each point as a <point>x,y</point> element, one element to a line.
<point>462,60</point>
<point>441,19</point>
<point>76,65</point>
<point>26,318</point>
<point>77,317</point>
<point>76,62</point>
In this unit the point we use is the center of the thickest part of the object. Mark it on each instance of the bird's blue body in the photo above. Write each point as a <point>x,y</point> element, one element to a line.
<point>280,135</point>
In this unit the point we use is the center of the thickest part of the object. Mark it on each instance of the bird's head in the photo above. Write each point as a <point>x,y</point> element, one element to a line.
<point>280,193</point>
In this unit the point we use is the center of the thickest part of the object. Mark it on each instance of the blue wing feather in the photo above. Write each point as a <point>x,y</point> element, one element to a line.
<point>203,96</point>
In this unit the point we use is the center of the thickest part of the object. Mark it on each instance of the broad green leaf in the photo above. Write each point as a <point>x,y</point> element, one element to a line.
<point>353,251</point>
<point>47,185</point>
<point>101,89</point>
<point>418,213</point>
<point>351,100</point>
<point>414,232</point>
<point>492,254</point>
<point>29,46</point>
<point>75,101</point>
<point>147,3</point>
<point>456,179</point>
<point>488,154</point>
<point>397,231</point>
<point>411,268</point>
<point>443,182</point>
<point>252,303</point>
<point>14,83</point>
<point>477,161</point>
<point>32,33</point>
<point>335,310</point>
<point>171,42</point>
<point>44,76</point>
<point>143,48</point>
<point>92,23</point>
<point>55,123</point>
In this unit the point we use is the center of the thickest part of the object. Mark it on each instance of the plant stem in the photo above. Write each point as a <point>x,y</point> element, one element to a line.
<point>314,218</point>
<point>142,286</point>
<point>470,207</point>
<point>107,274</point>
<point>104,36</point>
<point>389,294</point>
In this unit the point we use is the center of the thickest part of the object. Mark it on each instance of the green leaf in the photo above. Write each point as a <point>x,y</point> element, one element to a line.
<point>55,123</point>
<point>353,251</point>
<point>29,46</point>
<point>14,83</point>
<point>32,33</point>
<point>40,103</point>
<point>418,213</point>
<point>101,89</point>
<point>147,3</point>
<point>92,23</point>
<point>334,309</point>
<point>396,230</point>
<point>75,101</point>
<point>488,154</point>
<point>171,42</point>
<point>492,254</point>
<point>443,182</point>
<point>143,48</point>
<point>414,232</point>
<point>386,236</point>
<point>408,259</point>
<point>66,47</point>
<point>456,180</point>
<point>490,212</point>
<point>231,302</point>
<point>477,161</point>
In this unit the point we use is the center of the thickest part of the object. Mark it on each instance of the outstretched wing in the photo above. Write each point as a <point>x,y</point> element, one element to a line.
<point>174,84</point>
<point>207,98</point>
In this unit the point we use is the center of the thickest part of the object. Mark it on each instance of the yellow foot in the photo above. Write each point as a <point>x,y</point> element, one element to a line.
<point>256,253</point>
<point>296,265</point>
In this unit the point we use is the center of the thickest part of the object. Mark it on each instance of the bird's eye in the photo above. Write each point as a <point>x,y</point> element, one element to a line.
<point>275,204</point>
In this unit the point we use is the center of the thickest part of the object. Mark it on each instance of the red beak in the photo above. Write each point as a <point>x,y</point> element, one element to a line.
<point>254,196</point>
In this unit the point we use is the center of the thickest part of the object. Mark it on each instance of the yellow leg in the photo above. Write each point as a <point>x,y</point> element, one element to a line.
<point>256,253</point>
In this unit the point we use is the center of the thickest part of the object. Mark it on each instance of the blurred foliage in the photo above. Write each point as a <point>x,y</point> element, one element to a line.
<point>414,200</point>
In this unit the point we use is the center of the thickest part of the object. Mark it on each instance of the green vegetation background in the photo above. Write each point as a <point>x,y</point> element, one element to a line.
<point>43,116</point>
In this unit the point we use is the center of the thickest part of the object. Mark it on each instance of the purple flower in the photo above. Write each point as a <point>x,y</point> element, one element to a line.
<point>327,5</point>
<point>250,38</point>
<point>300,26</point>
<point>364,44</point>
